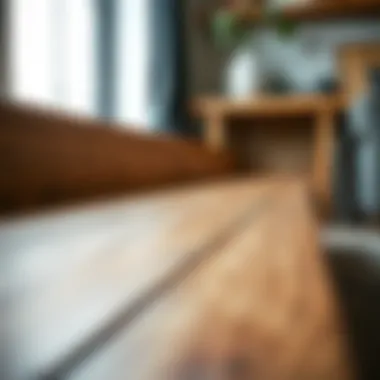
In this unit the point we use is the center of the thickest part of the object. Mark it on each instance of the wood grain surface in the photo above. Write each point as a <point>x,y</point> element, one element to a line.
<point>355,61</point>
<point>268,105</point>
<point>260,307</point>
<point>276,137</point>
<point>316,10</point>
<point>70,278</point>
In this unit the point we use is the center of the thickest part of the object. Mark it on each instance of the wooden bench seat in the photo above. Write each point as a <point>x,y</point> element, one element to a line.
<point>260,307</point>
<point>98,292</point>
<point>70,273</point>
<point>210,280</point>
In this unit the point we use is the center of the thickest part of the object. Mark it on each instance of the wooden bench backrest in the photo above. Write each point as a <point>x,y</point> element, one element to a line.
<point>48,158</point>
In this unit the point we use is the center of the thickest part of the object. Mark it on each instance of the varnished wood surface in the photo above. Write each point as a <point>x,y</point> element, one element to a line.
<point>268,105</point>
<point>68,276</point>
<point>355,60</point>
<point>315,10</point>
<point>218,114</point>
<point>260,307</point>
<point>47,158</point>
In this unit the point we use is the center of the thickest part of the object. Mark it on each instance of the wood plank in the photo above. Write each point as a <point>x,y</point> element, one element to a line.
<point>68,275</point>
<point>316,10</point>
<point>334,9</point>
<point>47,158</point>
<point>268,105</point>
<point>218,114</point>
<point>324,160</point>
<point>355,61</point>
<point>261,307</point>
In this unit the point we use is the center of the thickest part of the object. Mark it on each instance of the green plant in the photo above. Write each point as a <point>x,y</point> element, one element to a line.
<point>229,29</point>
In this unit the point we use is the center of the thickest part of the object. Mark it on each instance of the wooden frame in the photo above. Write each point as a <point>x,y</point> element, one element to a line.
<point>48,158</point>
<point>354,60</point>
<point>324,109</point>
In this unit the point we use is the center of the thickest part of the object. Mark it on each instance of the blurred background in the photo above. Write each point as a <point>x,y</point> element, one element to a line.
<point>152,65</point>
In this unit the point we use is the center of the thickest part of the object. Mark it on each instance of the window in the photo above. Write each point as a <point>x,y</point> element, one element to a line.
<point>53,53</point>
<point>132,61</point>
<point>62,49</point>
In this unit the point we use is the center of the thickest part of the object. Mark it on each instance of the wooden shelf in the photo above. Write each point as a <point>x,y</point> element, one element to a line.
<point>216,114</point>
<point>320,11</point>
<point>268,105</point>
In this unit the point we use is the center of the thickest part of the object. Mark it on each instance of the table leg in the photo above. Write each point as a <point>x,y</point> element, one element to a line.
<point>323,158</point>
<point>215,132</point>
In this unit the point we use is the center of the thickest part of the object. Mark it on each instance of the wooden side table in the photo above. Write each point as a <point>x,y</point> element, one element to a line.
<point>322,108</point>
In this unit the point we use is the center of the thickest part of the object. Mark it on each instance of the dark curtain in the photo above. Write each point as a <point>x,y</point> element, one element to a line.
<point>106,20</point>
<point>344,175</point>
<point>4,47</point>
<point>169,76</point>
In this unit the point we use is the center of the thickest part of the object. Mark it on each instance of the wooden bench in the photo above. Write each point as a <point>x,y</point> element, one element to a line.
<point>210,280</point>
<point>49,158</point>
<point>202,279</point>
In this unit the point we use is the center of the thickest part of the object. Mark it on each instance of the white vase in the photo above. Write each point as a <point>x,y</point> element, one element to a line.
<point>242,77</point>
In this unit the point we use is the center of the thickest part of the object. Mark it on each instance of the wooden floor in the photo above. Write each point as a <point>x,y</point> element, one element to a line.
<point>216,281</point>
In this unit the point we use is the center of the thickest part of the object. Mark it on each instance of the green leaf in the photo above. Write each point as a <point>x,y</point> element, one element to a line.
<point>286,28</point>
<point>227,29</point>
